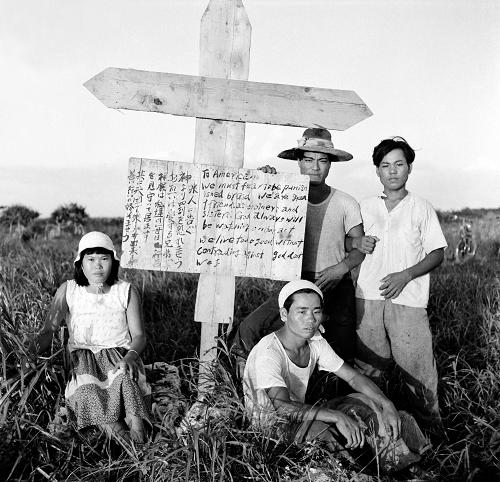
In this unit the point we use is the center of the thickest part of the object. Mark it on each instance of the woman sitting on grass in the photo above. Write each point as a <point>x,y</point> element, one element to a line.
<point>107,385</point>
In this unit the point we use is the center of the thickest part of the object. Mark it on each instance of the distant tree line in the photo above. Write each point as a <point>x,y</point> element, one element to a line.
<point>23,221</point>
<point>73,219</point>
<point>471,213</point>
<point>17,216</point>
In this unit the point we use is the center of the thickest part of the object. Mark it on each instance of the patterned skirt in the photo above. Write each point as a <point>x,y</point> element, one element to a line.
<point>95,395</point>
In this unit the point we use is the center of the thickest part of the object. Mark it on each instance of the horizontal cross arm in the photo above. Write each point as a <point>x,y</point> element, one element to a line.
<point>228,99</point>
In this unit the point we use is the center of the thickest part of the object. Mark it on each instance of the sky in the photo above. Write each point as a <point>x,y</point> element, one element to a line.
<point>428,69</point>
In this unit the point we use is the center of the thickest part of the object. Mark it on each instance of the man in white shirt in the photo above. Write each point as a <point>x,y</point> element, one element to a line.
<point>404,243</point>
<point>275,382</point>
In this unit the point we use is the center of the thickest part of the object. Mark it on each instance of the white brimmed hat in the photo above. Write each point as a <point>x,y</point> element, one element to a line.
<point>316,140</point>
<point>95,239</point>
<point>293,287</point>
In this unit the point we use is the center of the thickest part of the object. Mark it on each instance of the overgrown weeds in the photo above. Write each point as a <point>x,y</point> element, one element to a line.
<point>215,442</point>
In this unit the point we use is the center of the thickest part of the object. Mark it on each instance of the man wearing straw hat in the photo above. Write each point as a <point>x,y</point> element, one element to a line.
<point>331,216</point>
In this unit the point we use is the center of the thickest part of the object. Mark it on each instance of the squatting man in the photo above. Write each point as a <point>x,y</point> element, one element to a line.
<point>275,381</point>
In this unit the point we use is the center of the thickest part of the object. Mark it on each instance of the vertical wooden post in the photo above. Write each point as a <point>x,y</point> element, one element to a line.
<point>224,53</point>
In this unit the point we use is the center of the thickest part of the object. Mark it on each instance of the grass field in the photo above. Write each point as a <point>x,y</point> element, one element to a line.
<point>35,444</point>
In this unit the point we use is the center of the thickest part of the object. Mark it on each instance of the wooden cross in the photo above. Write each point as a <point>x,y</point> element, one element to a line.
<point>222,100</point>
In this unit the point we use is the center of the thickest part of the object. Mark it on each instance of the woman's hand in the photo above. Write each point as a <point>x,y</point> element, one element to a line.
<point>129,365</point>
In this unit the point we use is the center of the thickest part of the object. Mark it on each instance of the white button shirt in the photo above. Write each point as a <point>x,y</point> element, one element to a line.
<point>407,234</point>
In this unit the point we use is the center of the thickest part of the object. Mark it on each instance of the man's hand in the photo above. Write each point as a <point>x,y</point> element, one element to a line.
<point>128,364</point>
<point>331,276</point>
<point>267,169</point>
<point>365,244</point>
<point>393,284</point>
<point>392,421</point>
<point>351,431</point>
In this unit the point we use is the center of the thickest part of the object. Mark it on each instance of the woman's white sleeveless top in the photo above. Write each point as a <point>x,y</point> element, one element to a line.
<point>97,322</point>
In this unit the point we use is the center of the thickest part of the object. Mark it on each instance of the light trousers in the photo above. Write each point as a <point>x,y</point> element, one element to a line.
<point>384,330</point>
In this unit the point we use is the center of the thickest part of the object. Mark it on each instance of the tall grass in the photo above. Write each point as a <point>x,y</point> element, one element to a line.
<point>218,444</point>
<point>466,321</point>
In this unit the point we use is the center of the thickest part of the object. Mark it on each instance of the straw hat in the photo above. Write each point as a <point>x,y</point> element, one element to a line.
<point>316,140</point>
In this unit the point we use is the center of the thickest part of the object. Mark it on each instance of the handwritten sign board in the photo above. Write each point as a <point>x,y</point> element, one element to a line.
<point>198,218</point>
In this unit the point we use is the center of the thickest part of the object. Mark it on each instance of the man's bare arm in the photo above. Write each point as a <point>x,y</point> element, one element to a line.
<point>331,276</point>
<point>348,427</point>
<point>364,385</point>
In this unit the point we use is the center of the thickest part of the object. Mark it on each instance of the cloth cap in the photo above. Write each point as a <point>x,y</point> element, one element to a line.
<point>95,239</point>
<point>293,287</point>
<point>316,140</point>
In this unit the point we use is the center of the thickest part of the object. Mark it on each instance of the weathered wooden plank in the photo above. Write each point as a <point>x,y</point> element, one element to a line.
<point>261,231</point>
<point>180,217</point>
<point>225,40</point>
<point>132,206</point>
<point>242,221</point>
<point>288,237</point>
<point>202,218</point>
<point>224,52</point>
<point>215,294</point>
<point>135,244</point>
<point>228,99</point>
<point>149,242</point>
